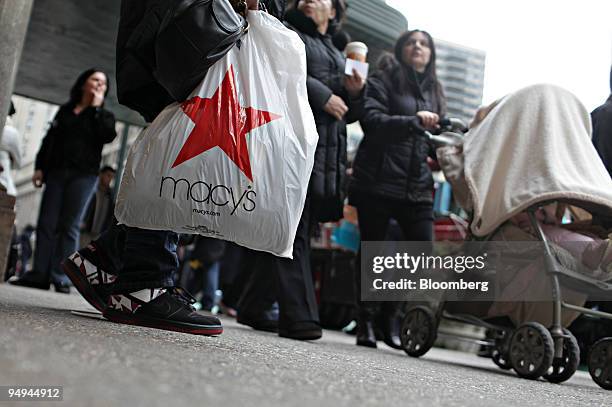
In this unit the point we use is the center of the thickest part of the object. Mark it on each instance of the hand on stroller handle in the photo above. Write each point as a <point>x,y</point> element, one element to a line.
<point>452,130</point>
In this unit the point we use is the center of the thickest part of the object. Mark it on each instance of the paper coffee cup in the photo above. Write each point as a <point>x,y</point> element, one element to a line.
<point>357,51</point>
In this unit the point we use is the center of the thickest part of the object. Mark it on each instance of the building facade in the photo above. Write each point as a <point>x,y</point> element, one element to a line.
<point>461,71</point>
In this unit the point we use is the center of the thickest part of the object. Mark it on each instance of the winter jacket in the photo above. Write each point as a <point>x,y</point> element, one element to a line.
<point>392,159</point>
<point>325,65</point>
<point>139,23</point>
<point>75,142</point>
<point>137,88</point>
<point>274,7</point>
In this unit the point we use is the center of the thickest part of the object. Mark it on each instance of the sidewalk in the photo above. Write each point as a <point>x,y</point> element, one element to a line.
<point>103,364</point>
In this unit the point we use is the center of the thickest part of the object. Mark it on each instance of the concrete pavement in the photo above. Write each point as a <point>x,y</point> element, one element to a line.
<point>100,363</point>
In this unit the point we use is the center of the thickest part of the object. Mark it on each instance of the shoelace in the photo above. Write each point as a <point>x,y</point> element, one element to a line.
<point>183,296</point>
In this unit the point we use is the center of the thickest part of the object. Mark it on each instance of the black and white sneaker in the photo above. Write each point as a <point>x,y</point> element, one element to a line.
<point>162,308</point>
<point>85,271</point>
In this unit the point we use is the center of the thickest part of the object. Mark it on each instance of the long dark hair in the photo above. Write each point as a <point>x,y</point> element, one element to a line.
<point>408,76</point>
<point>76,92</point>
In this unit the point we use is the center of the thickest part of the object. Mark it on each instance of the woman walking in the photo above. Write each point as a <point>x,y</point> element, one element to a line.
<point>67,165</point>
<point>392,179</point>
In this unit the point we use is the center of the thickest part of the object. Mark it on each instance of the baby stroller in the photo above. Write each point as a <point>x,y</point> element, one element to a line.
<point>533,149</point>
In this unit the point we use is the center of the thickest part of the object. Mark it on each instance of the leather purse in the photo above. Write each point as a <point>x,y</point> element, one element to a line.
<point>193,35</point>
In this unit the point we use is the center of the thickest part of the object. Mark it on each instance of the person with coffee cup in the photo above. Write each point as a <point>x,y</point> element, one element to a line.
<point>335,99</point>
<point>391,177</point>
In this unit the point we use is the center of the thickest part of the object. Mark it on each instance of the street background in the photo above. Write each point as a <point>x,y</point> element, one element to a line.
<point>100,363</point>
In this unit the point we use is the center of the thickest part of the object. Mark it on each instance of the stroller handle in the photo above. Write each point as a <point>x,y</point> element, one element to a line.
<point>452,132</point>
<point>454,124</point>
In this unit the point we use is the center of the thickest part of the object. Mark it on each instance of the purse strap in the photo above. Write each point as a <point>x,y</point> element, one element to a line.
<point>240,6</point>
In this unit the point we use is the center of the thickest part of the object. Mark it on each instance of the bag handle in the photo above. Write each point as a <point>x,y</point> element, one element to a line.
<point>239,6</point>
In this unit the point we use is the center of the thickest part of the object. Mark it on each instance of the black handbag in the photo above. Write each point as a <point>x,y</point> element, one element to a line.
<point>193,35</point>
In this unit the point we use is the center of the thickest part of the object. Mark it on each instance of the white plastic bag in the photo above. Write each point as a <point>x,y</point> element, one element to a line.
<point>234,160</point>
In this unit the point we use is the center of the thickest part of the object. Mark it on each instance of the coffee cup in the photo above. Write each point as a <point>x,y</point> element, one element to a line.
<point>357,51</point>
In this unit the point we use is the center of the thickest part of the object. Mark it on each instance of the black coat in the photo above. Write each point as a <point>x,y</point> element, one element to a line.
<point>139,22</point>
<point>392,160</point>
<point>602,132</point>
<point>75,141</point>
<point>137,88</point>
<point>325,64</point>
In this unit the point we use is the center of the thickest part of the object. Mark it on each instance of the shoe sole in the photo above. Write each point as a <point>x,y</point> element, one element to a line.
<point>392,345</point>
<point>367,344</point>
<point>310,335</point>
<point>258,327</point>
<point>18,283</point>
<point>123,318</point>
<point>83,286</point>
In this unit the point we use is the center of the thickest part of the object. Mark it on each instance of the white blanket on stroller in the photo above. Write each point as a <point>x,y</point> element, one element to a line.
<point>534,146</point>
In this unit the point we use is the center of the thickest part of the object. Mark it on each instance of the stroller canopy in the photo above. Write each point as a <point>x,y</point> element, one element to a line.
<point>534,146</point>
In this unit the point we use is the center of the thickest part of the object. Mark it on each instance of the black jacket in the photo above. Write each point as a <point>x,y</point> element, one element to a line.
<point>325,64</point>
<point>392,160</point>
<point>602,132</point>
<point>75,141</point>
<point>137,88</point>
<point>139,22</point>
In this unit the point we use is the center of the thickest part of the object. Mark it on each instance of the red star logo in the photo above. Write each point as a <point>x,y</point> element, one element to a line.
<point>221,121</point>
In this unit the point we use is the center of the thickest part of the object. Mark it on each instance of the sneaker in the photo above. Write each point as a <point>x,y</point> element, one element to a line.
<point>83,269</point>
<point>169,309</point>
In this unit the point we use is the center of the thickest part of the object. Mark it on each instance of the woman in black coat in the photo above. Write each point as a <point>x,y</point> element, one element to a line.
<point>67,164</point>
<point>335,99</point>
<point>392,179</point>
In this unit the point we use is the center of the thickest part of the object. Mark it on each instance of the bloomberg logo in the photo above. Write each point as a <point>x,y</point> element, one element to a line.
<point>208,193</point>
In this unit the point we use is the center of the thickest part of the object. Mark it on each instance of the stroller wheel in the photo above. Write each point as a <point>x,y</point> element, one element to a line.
<point>419,331</point>
<point>531,350</point>
<point>563,368</point>
<point>501,360</point>
<point>600,363</point>
<point>500,351</point>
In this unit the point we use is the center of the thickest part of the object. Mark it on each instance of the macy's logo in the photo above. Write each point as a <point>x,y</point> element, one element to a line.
<point>209,194</point>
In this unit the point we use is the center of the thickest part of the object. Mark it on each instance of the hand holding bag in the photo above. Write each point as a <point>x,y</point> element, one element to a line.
<point>233,161</point>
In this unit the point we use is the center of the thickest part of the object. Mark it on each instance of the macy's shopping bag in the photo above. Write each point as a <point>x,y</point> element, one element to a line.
<point>233,161</point>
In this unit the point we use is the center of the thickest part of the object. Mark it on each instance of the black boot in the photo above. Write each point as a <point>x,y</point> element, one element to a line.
<point>391,331</point>
<point>24,281</point>
<point>365,333</point>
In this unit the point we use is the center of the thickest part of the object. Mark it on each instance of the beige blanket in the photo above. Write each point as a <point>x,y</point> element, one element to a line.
<point>535,145</point>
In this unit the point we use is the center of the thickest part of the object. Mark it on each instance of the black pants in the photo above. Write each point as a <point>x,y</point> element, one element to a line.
<point>284,280</point>
<point>374,214</point>
<point>234,273</point>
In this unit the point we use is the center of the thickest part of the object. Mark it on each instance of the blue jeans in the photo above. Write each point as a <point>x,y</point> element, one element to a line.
<point>64,200</point>
<point>211,285</point>
<point>141,258</point>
